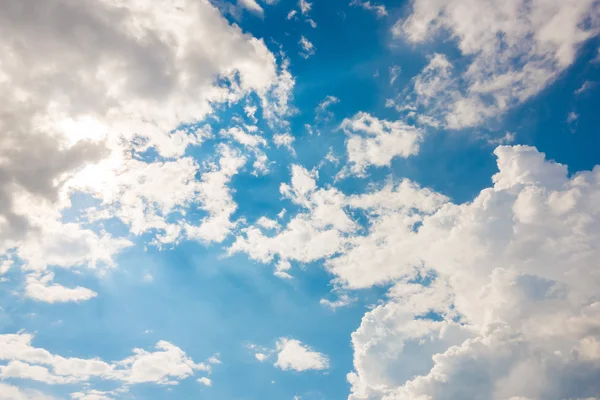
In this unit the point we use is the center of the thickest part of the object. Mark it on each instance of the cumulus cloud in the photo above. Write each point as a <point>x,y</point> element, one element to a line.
<point>497,296</point>
<point>294,355</point>
<point>326,228</point>
<point>376,142</point>
<point>516,48</point>
<point>145,195</point>
<point>513,292</point>
<point>152,96</point>
<point>306,237</point>
<point>88,88</point>
<point>167,365</point>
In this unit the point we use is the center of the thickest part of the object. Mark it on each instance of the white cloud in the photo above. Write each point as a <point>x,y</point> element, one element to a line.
<point>92,394</point>
<point>294,355</point>
<point>267,223</point>
<point>325,227</point>
<point>509,277</point>
<point>516,48</point>
<point>252,6</point>
<point>376,142</point>
<point>142,194</point>
<point>282,268</point>
<point>205,381</point>
<point>276,100</point>
<point>261,353</point>
<point>322,111</point>
<point>167,365</point>
<point>216,198</point>
<point>143,82</point>
<point>66,245</point>
<point>241,136</point>
<point>9,392</point>
<point>292,14</point>
<point>585,86</point>
<point>57,244</point>
<point>395,71</point>
<point>343,300</point>
<point>327,101</point>
<point>165,92</point>
<point>284,140</point>
<point>214,360</point>
<point>307,236</point>
<point>5,265</point>
<point>308,49</point>
<point>508,138</point>
<point>378,9</point>
<point>305,6</point>
<point>40,287</point>
<point>516,265</point>
<point>331,157</point>
<point>261,164</point>
<point>572,117</point>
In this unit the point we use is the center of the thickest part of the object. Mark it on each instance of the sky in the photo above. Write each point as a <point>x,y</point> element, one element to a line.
<point>299,200</point>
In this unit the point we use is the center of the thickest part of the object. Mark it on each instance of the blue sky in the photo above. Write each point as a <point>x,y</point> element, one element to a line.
<point>405,210</point>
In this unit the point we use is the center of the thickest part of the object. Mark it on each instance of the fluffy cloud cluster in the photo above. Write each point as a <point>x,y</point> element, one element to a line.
<point>104,97</point>
<point>515,48</point>
<point>167,365</point>
<point>515,291</point>
<point>327,226</point>
<point>491,299</point>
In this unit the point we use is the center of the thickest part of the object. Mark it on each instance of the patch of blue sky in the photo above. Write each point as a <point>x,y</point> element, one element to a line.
<point>219,304</point>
